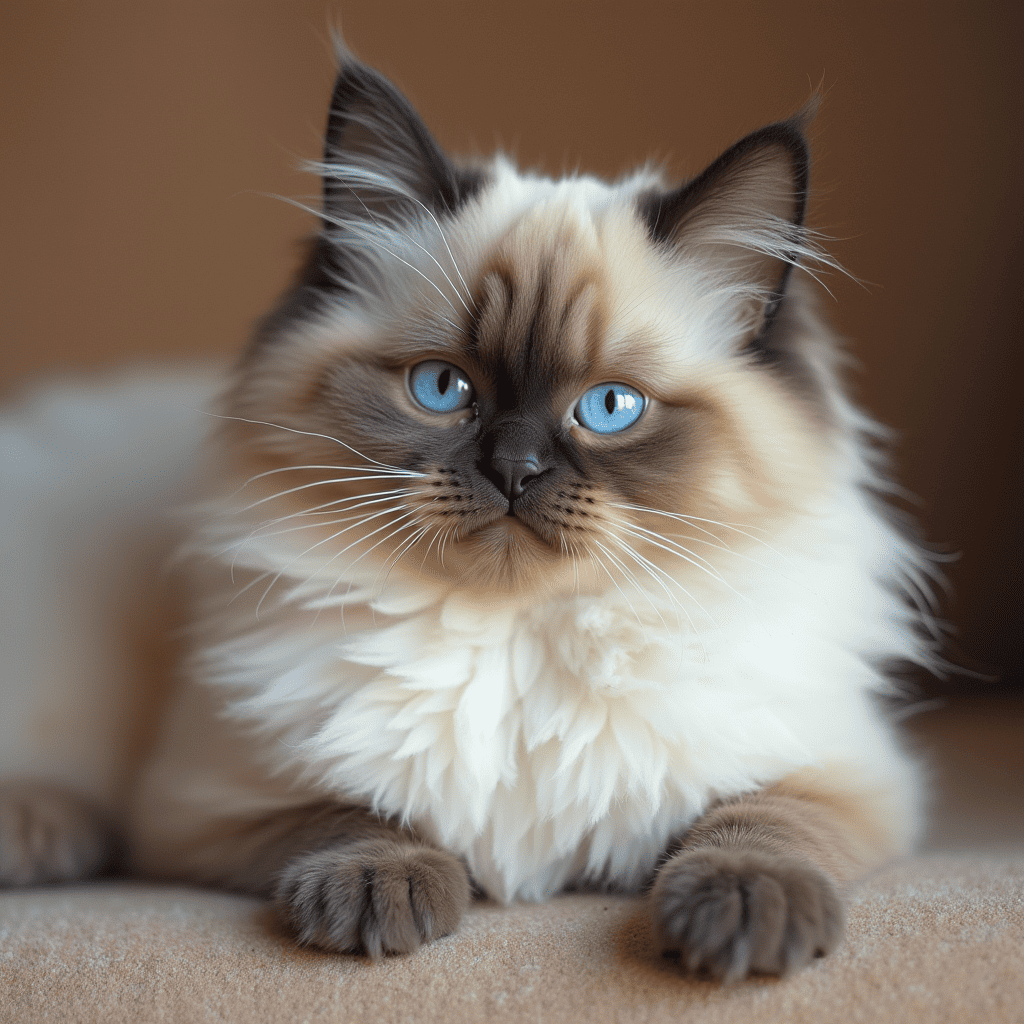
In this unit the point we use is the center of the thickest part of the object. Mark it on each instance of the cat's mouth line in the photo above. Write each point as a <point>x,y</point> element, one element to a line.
<point>512,523</point>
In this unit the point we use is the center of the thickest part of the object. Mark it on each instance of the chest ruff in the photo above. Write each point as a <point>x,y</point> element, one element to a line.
<point>560,743</point>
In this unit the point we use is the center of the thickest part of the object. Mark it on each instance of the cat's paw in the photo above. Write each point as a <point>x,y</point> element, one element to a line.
<point>47,835</point>
<point>377,895</point>
<point>732,913</point>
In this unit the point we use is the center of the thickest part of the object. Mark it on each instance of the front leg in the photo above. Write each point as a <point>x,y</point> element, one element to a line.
<point>343,879</point>
<point>756,885</point>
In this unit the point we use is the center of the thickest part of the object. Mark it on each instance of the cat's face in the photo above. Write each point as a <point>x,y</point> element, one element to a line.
<point>514,385</point>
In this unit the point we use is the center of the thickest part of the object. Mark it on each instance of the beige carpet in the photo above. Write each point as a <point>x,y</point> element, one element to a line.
<point>937,938</point>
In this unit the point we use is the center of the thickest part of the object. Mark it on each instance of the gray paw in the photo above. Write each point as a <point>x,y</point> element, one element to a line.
<point>47,835</point>
<point>377,895</point>
<point>731,913</point>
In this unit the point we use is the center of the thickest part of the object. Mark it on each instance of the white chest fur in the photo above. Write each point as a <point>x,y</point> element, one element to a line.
<point>558,742</point>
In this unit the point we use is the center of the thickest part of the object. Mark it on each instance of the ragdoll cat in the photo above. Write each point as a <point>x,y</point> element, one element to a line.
<point>540,551</point>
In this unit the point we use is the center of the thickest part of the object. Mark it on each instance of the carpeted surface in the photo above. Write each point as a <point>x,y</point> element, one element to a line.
<point>939,937</point>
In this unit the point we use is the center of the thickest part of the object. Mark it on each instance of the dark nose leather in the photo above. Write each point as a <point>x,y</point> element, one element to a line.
<point>513,475</point>
<point>511,455</point>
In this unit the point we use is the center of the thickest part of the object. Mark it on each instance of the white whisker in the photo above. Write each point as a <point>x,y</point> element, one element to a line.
<point>382,496</point>
<point>356,561</point>
<point>653,537</point>
<point>251,583</point>
<point>397,556</point>
<point>354,227</point>
<point>629,603</point>
<point>295,469</point>
<point>315,483</point>
<point>264,531</point>
<point>317,510</point>
<point>616,561</point>
<point>574,551</point>
<point>437,534</point>
<point>693,520</point>
<point>646,566</point>
<point>683,554</point>
<point>655,572</point>
<point>327,540</point>
<point>306,433</point>
<point>653,568</point>
<point>409,195</point>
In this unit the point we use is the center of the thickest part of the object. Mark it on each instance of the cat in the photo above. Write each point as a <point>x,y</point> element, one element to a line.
<point>540,547</point>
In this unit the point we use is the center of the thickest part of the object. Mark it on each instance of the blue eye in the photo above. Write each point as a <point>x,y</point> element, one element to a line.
<point>440,387</point>
<point>609,408</point>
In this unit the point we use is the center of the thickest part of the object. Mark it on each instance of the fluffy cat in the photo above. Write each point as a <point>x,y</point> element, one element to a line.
<point>540,548</point>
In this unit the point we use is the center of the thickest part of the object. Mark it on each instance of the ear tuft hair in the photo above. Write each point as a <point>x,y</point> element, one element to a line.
<point>747,210</point>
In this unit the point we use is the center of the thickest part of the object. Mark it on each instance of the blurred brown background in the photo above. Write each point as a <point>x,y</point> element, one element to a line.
<point>136,137</point>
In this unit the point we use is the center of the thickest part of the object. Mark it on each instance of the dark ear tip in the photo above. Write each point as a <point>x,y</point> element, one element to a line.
<point>350,71</point>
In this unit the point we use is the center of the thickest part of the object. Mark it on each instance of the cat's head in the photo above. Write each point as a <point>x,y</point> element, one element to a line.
<point>503,382</point>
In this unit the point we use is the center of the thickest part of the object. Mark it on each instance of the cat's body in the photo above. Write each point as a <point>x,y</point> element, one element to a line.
<point>539,541</point>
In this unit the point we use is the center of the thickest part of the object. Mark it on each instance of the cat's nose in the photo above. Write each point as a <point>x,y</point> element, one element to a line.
<point>513,475</point>
<point>512,455</point>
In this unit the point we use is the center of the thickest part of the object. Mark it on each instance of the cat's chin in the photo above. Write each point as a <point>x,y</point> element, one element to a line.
<point>508,556</point>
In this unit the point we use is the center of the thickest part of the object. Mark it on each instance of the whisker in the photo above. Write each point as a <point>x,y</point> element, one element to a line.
<point>454,528</point>
<point>402,548</point>
<point>354,227</point>
<point>258,531</point>
<point>629,604</point>
<point>349,567</point>
<point>718,547</point>
<point>328,508</point>
<point>239,545</point>
<point>408,195</point>
<point>654,571</point>
<point>306,433</point>
<point>349,172</point>
<point>684,516</point>
<point>637,531</point>
<point>437,534</point>
<point>251,583</point>
<point>652,567</point>
<point>616,561</point>
<point>635,555</point>
<point>295,469</point>
<point>397,556</point>
<point>712,572</point>
<point>573,550</point>
<point>326,540</point>
<point>411,513</point>
<point>690,521</point>
<point>315,483</point>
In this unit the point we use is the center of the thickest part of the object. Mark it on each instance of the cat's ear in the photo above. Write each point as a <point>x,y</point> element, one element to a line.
<point>380,160</point>
<point>744,215</point>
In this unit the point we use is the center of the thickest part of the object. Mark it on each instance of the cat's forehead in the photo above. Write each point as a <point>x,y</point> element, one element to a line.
<point>539,306</point>
<point>547,298</point>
